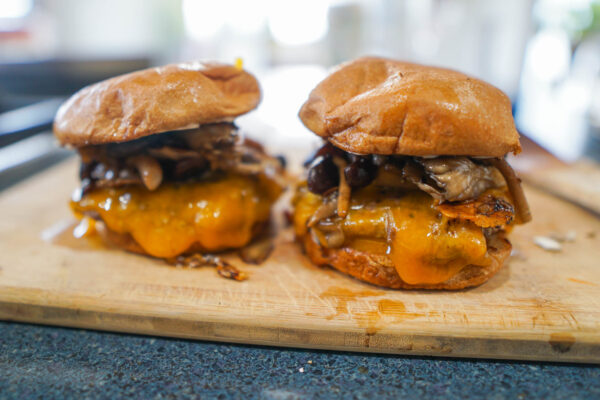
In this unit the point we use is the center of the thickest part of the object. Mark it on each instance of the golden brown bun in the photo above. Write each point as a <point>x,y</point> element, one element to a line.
<point>380,271</point>
<point>381,106</point>
<point>155,100</point>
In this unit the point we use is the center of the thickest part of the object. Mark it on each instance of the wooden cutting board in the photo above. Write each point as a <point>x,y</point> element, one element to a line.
<point>541,306</point>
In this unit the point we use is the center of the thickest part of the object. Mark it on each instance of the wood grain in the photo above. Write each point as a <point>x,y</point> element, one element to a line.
<point>541,306</point>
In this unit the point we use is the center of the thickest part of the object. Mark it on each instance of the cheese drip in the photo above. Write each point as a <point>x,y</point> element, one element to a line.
<point>424,246</point>
<point>214,215</point>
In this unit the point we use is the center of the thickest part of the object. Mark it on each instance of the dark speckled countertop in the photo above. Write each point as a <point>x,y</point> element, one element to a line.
<point>49,362</point>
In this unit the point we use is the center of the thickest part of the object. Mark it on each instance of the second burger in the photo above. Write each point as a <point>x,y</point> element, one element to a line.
<point>411,189</point>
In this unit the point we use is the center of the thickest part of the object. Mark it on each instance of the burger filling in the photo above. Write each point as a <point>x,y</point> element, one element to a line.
<point>204,189</point>
<point>430,216</point>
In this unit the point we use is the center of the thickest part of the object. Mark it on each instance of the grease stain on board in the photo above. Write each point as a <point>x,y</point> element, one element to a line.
<point>561,342</point>
<point>61,234</point>
<point>383,312</point>
<point>343,296</point>
<point>575,280</point>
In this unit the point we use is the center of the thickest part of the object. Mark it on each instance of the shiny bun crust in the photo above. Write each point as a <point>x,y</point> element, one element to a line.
<point>155,100</point>
<point>381,106</point>
<point>378,270</point>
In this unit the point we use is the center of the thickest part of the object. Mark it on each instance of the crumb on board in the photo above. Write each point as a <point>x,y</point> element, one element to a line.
<point>301,369</point>
<point>561,237</point>
<point>547,243</point>
<point>198,260</point>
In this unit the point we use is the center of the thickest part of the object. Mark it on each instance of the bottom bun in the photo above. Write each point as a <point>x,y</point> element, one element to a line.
<point>379,270</point>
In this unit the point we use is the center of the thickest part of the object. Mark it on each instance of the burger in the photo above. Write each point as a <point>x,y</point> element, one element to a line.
<point>164,170</point>
<point>410,189</point>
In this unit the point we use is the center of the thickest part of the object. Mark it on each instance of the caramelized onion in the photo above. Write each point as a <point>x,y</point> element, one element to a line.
<point>228,271</point>
<point>329,236</point>
<point>149,170</point>
<point>197,260</point>
<point>514,185</point>
<point>257,251</point>
<point>335,239</point>
<point>344,191</point>
<point>175,156</point>
<point>325,210</point>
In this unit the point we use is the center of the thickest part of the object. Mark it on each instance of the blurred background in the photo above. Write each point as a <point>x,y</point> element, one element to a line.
<point>545,54</point>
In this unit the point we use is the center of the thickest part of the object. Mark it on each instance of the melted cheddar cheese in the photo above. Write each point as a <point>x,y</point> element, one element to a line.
<point>425,246</point>
<point>166,222</point>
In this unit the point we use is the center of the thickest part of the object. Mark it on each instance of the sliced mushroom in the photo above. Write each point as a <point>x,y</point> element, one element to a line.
<point>458,178</point>
<point>175,156</point>
<point>172,153</point>
<point>210,136</point>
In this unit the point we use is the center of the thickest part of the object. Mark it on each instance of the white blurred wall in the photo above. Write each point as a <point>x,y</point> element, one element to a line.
<point>115,28</point>
<point>485,38</point>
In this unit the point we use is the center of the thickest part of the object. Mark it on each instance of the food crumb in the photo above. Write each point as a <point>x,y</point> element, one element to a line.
<point>239,63</point>
<point>310,361</point>
<point>301,369</point>
<point>547,243</point>
<point>568,236</point>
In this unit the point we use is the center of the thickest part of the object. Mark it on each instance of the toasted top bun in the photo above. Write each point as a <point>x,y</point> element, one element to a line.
<point>381,106</point>
<point>155,100</point>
